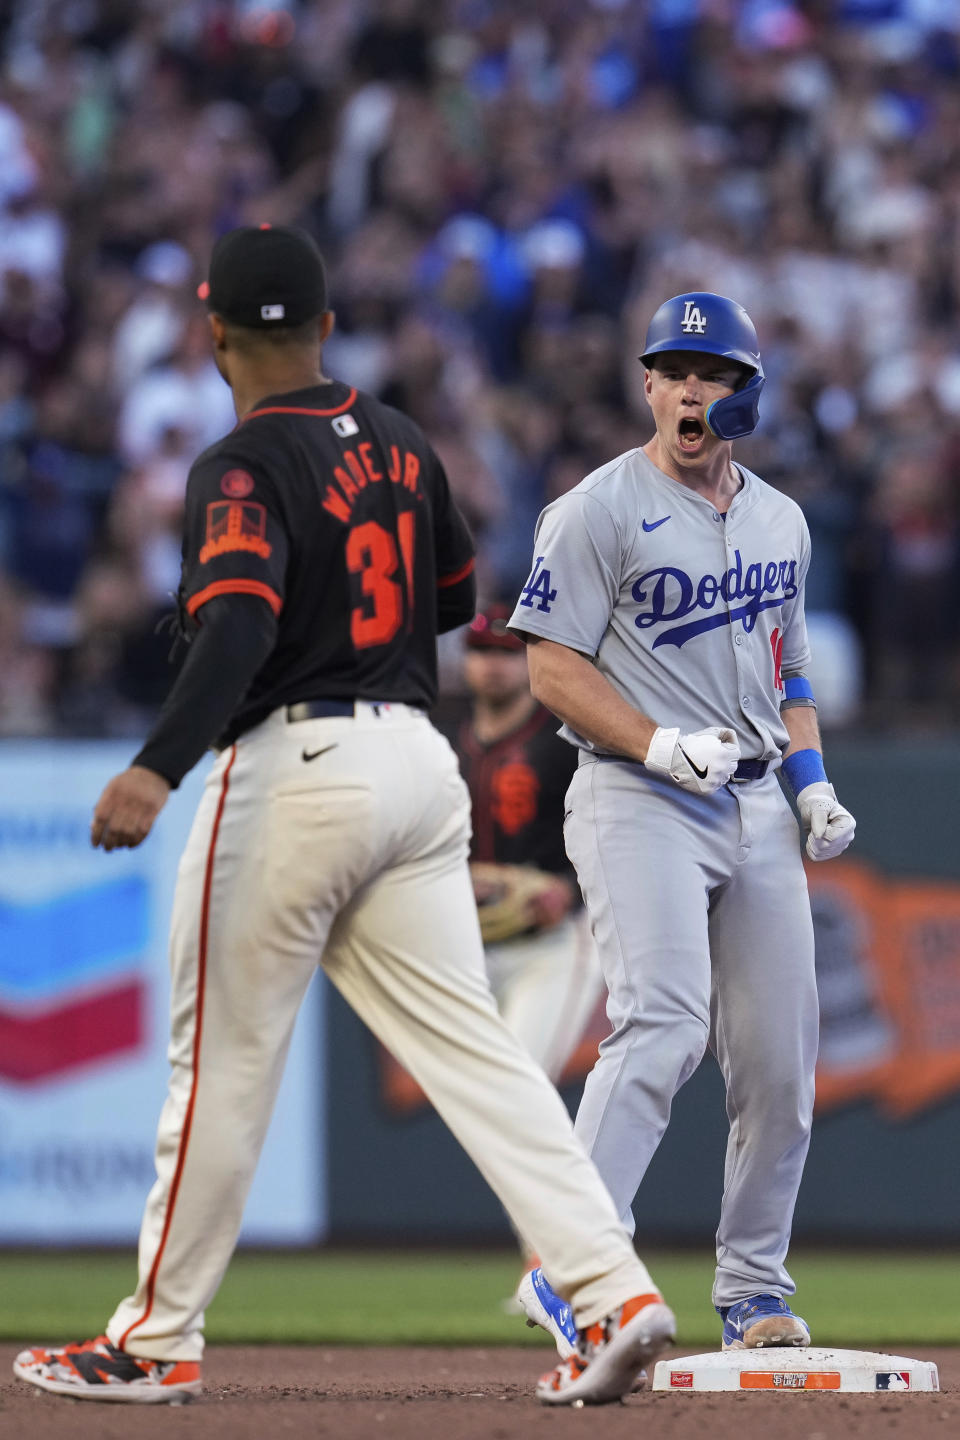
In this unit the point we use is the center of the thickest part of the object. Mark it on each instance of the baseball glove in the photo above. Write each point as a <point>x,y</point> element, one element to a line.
<point>512,899</point>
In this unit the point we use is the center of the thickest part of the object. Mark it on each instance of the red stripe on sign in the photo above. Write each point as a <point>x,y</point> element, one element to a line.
<point>299,409</point>
<point>198,1031</point>
<point>36,1047</point>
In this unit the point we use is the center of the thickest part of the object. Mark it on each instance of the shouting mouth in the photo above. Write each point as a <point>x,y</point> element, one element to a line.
<point>690,436</point>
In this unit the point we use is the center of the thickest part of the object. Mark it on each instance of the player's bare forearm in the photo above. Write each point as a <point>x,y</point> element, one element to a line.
<point>801,725</point>
<point>569,685</point>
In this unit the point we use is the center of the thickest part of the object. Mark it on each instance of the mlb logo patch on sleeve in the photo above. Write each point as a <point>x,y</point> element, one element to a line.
<point>893,1379</point>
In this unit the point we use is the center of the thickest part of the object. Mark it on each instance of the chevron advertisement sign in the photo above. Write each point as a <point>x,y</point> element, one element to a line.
<point>71,977</point>
<point>84,1003</point>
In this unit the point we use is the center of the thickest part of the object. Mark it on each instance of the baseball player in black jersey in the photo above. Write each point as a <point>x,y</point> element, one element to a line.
<point>322,555</point>
<point>541,960</point>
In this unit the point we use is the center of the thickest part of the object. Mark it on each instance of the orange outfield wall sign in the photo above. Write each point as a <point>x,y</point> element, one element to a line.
<point>888,977</point>
<point>888,971</point>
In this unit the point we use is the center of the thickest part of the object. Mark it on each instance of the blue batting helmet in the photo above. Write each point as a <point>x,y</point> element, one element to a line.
<point>713,325</point>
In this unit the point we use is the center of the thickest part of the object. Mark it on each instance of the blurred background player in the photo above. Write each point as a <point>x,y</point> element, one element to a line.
<point>541,959</point>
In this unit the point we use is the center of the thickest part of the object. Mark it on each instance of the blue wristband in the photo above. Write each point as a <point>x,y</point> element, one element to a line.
<point>803,768</point>
<point>797,687</point>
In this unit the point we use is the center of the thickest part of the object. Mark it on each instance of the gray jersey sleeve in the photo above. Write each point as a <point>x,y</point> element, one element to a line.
<point>575,581</point>
<point>796,648</point>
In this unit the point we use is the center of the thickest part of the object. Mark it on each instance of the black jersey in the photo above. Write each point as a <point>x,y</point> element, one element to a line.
<point>517,787</point>
<point>332,508</point>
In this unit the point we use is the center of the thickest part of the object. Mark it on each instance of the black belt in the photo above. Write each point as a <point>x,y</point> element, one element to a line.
<point>750,770</point>
<point>746,770</point>
<point>324,709</point>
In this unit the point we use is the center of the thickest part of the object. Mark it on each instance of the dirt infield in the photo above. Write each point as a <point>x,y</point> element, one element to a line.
<point>272,1393</point>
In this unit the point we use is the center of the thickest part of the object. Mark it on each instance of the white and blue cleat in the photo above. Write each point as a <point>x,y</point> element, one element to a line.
<point>761,1321</point>
<point>542,1306</point>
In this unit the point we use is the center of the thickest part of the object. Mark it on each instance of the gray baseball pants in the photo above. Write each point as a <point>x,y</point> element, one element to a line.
<point>700,913</point>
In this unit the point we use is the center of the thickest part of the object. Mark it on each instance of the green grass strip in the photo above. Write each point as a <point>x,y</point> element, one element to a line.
<point>877,1299</point>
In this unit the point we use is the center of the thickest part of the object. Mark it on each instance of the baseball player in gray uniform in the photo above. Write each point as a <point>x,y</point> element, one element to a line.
<point>665,628</point>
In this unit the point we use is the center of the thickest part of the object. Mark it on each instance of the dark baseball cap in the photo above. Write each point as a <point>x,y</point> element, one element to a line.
<point>488,630</point>
<point>266,276</point>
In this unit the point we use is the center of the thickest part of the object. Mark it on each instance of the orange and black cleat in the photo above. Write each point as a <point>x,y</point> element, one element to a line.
<point>610,1355</point>
<point>97,1370</point>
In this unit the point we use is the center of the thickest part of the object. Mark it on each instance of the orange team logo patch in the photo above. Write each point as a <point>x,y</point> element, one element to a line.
<point>235,525</point>
<point>238,484</point>
<point>515,793</point>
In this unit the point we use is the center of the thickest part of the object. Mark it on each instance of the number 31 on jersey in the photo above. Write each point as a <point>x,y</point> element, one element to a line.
<point>372,554</point>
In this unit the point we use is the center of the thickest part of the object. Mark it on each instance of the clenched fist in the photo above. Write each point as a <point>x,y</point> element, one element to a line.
<point>127,808</point>
<point>829,828</point>
<point>699,762</point>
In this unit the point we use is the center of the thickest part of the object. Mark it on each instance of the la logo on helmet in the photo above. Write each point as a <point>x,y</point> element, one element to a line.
<point>693,322</point>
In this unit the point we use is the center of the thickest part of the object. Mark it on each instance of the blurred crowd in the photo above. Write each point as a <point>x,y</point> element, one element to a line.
<point>505,191</point>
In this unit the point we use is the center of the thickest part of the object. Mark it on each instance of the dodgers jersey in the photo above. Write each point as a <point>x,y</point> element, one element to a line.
<point>693,617</point>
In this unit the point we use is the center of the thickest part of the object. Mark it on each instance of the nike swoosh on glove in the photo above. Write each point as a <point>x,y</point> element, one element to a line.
<point>828,826</point>
<point>699,762</point>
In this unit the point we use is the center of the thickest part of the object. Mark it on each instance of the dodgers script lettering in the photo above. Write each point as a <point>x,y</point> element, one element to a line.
<point>671,594</point>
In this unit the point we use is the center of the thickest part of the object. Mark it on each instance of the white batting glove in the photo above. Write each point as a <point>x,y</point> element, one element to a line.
<point>829,828</point>
<point>700,762</point>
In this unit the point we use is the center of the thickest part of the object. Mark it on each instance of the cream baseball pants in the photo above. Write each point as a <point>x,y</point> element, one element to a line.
<point>343,842</point>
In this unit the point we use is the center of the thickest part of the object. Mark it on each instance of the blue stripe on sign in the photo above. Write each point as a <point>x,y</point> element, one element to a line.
<point>50,945</point>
